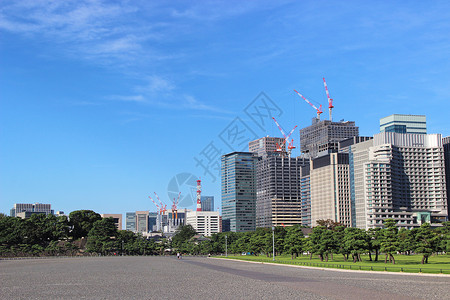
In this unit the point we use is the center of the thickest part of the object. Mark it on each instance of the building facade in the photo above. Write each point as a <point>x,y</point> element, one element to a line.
<point>323,137</point>
<point>142,221</point>
<point>238,184</point>
<point>278,193</point>
<point>207,203</point>
<point>204,222</point>
<point>399,176</point>
<point>31,208</point>
<point>305,188</point>
<point>117,219</point>
<point>130,221</point>
<point>330,189</point>
<point>398,123</point>
<point>446,146</point>
<point>266,146</point>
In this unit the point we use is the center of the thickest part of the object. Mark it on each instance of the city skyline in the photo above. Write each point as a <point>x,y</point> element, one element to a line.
<point>103,104</point>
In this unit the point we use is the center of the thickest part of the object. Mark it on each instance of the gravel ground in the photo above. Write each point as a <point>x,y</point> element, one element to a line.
<point>201,278</point>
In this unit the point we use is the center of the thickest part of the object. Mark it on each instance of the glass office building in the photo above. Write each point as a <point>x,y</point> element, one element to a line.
<point>238,191</point>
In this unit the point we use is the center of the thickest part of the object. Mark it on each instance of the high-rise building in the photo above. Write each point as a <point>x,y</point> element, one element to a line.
<point>152,220</point>
<point>305,188</point>
<point>266,145</point>
<point>446,144</point>
<point>330,192</point>
<point>404,124</point>
<point>358,156</point>
<point>31,208</point>
<point>278,195</point>
<point>323,136</point>
<point>399,176</point>
<point>142,221</point>
<point>130,221</point>
<point>204,222</point>
<point>207,203</point>
<point>117,219</point>
<point>238,191</point>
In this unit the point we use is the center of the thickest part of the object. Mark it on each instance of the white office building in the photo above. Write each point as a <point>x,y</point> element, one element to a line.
<point>204,222</point>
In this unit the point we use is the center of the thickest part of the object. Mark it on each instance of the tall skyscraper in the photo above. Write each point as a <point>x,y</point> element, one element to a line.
<point>207,203</point>
<point>323,137</point>
<point>330,192</point>
<point>404,124</point>
<point>278,194</point>
<point>305,188</point>
<point>399,176</point>
<point>446,144</point>
<point>238,191</point>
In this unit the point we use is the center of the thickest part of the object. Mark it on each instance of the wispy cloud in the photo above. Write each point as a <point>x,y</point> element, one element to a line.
<point>162,93</point>
<point>131,37</point>
<point>94,30</point>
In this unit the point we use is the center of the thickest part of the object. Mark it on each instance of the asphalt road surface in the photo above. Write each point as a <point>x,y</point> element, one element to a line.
<point>201,278</point>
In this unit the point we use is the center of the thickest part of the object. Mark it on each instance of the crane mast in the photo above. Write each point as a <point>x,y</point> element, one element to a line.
<point>319,110</point>
<point>330,100</point>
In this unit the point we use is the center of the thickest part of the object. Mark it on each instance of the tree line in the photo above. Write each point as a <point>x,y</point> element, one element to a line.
<point>86,232</point>
<point>325,240</point>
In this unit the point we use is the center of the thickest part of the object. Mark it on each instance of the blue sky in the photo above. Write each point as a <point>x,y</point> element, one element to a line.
<point>103,103</point>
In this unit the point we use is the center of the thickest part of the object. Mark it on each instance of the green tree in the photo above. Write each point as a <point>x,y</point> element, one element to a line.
<point>356,241</point>
<point>321,242</point>
<point>183,235</point>
<point>427,241</point>
<point>443,234</point>
<point>11,233</point>
<point>126,242</point>
<point>328,223</point>
<point>240,242</point>
<point>294,241</point>
<point>82,222</point>
<point>280,238</point>
<point>375,235</point>
<point>102,236</point>
<point>389,240</point>
<point>260,241</point>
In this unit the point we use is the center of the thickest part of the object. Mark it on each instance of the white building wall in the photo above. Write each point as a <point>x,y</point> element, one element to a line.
<point>204,222</point>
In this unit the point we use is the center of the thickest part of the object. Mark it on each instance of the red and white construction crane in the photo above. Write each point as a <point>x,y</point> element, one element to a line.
<point>199,192</point>
<point>330,100</point>
<point>157,206</point>
<point>175,207</point>
<point>163,206</point>
<point>286,138</point>
<point>319,110</point>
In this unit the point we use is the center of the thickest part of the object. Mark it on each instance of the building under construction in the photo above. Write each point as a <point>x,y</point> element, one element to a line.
<point>323,137</point>
<point>266,145</point>
<point>278,192</point>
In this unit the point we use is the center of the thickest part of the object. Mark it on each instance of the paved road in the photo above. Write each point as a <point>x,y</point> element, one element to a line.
<point>201,278</point>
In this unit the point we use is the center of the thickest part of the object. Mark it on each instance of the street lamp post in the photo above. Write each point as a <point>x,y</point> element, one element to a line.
<point>273,242</point>
<point>226,245</point>
<point>122,247</point>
